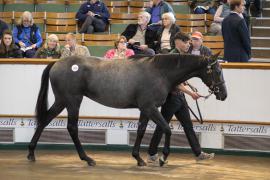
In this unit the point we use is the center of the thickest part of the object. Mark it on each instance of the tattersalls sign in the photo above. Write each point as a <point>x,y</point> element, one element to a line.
<point>133,124</point>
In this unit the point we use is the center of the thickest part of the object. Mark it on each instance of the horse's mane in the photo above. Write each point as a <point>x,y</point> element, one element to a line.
<point>176,60</point>
<point>140,57</point>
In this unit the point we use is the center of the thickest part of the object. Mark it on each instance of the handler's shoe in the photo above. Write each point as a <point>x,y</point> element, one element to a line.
<point>153,159</point>
<point>205,156</point>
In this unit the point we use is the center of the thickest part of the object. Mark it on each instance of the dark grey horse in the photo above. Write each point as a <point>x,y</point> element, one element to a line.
<point>142,83</point>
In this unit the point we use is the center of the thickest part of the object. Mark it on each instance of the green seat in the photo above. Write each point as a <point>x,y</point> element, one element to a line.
<point>118,28</point>
<point>73,7</point>
<point>51,8</point>
<point>98,51</point>
<point>181,9</point>
<point>19,7</point>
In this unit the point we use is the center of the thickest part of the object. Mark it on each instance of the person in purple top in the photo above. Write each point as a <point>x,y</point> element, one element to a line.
<point>27,35</point>
<point>158,8</point>
<point>93,16</point>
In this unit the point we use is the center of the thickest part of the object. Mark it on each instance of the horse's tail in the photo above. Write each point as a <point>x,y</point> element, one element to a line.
<point>42,101</point>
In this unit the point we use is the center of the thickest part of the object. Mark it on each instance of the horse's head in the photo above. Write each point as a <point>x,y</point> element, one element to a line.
<point>212,76</point>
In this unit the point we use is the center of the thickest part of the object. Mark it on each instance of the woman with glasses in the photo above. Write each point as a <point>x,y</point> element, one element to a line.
<point>27,35</point>
<point>120,51</point>
<point>166,33</point>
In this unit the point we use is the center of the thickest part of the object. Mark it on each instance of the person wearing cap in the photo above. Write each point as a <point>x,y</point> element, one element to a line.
<point>196,47</point>
<point>176,104</point>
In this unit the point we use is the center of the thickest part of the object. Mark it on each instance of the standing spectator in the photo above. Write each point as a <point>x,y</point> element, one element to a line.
<point>72,48</point>
<point>222,12</point>
<point>8,49</point>
<point>158,8</point>
<point>27,35</point>
<point>93,16</point>
<point>203,6</point>
<point>120,51</point>
<point>140,37</point>
<point>196,47</point>
<point>235,34</point>
<point>166,33</point>
<point>3,27</point>
<point>176,104</point>
<point>50,49</point>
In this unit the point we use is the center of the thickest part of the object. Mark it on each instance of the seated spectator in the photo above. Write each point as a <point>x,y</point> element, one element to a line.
<point>158,8</point>
<point>50,49</point>
<point>196,47</point>
<point>120,51</point>
<point>182,43</point>
<point>254,8</point>
<point>140,37</point>
<point>222,11</point>
<point>72,48</point>
<point>27,35</point>
<point>3,27</point>
<point>93,16</point>
<point>203,6</point>
<point>166,33</point>
<point>8,49</point>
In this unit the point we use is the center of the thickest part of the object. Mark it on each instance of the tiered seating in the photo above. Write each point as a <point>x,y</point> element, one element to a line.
<point>51,5</point>
<point>191,22</point>
<point>215,43</point>
<point>117,6</point>
<point>18,5</point>
<point>58,16</point>
<point>119,21</point>
<point>98,44</point>
<point>61,22</point>
<point>7,17</point>
<point>138,6</point>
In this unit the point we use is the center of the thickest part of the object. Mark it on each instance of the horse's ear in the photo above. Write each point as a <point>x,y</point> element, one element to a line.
<point>215,56</point>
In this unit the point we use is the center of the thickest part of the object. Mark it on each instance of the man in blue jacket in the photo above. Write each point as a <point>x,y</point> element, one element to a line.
<point>235,34</point>
<point>93,16</point>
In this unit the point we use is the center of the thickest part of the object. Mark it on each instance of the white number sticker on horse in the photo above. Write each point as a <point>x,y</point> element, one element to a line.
<point>75,67</point>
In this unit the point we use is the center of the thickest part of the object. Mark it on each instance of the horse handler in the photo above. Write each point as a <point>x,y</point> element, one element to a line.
<point>176,104</point>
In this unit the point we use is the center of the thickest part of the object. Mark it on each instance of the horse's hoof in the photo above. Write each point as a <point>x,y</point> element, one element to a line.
<point>141,163</point>
<point>91,163</point>
<point>162,162</point>
<point>31,158</point>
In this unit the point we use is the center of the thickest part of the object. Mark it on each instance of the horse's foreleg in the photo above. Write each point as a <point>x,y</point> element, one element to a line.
<point>73,115</point>
<point>143,121</point>
<point>156,116</point>
<point>55,109</point>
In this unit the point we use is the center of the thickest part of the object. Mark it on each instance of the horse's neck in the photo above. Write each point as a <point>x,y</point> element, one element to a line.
<point>185,68</point>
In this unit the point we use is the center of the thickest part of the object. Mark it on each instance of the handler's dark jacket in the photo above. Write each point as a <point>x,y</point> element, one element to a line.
<point>150,35</point>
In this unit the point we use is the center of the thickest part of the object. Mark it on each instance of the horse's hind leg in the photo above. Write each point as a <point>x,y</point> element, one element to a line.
<point>54,110</point>
<point>73,115</point>
<point>156,116</point>
<point>143,121</point>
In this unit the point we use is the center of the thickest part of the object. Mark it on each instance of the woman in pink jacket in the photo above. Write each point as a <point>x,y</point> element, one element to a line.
<point>120,51</point>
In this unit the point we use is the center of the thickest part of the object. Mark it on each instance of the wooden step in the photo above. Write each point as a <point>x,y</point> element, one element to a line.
<point>260,41</point>
<point>260,22</point>
<point>266,4</point>
<point>258,31</point>
<point>258,52</point>
<point>266,12</point>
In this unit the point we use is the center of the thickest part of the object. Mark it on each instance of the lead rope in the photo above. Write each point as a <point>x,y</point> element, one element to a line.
<point>200,120</point>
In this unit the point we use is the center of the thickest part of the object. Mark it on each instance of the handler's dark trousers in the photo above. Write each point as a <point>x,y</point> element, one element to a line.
<point>93,24</point>
<point>176,105</point>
